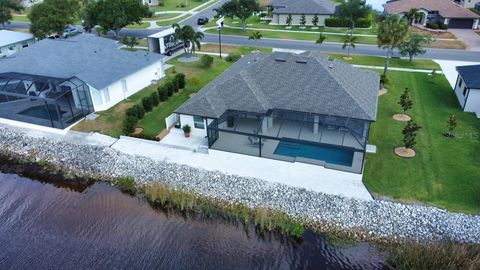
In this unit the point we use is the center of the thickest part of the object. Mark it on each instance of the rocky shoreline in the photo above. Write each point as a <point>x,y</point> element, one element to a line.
<point>362,220</point>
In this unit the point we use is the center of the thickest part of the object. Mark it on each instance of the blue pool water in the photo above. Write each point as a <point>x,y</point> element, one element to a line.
<point>328,154</point>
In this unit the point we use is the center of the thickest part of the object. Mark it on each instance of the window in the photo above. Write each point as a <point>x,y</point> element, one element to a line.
<point>460,83</point>
<point>464,91</point>
<point>198,122</point>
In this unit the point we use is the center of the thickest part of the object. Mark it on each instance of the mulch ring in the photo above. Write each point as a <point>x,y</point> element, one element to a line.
<point>382,91</point>
<point>401,117</point>
<point>405,152</point>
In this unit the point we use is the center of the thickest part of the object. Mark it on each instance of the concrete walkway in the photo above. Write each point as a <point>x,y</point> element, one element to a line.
<point>450,71</point>
<point>311,177</point>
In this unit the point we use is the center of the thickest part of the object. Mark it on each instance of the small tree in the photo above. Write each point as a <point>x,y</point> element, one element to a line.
<point>241,9</point>
<point>414,45</point>
<point>52,17</point>
<point>321,39</point>
<point>303,20</point>
<point>405,101</point>
<point>315,20</point>
<point>409,134</point>
<point>6,9</point>
<point>349,42</point>
<point>255,36</point>
<point>289,20</point>
<point>451,125</point>
<point>130,41</point>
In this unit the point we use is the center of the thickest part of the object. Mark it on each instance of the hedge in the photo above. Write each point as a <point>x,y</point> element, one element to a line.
<point>337,22</point>
<point>162,93</point>
<point>233,57</point>
<point>147,103</point>
<point>129,124</point>
<point>180,78</point>
<point>207,61</point>
<point>154,98</point>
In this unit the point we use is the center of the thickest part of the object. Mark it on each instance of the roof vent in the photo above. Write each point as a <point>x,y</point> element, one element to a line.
<point>330,66</point>
<point>301,61</point>
<point>278,59</point>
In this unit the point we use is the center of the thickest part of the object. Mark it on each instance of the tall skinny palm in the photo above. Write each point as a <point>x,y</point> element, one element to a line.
<point>392,32</point>
<point>190,38</point>
<point>255,36</point>
<point>349,42</point>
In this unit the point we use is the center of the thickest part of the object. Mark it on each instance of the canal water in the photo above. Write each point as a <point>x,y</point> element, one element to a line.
<point>43,226</point>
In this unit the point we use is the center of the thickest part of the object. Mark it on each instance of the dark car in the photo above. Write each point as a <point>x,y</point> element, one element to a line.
<point>202,20</point>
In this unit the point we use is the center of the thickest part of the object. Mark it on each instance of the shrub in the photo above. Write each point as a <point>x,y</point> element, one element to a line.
<point>195,81</point>
<point>363,23</point>
<point>147,103</point>
<point>432,25</point>
<point>136,111</point>
<point>170,88</point>
<point>129,124</point>
<point>155,99</point>
<point>442,26</point>
<point>207,61</point>
<point>126,183</point>
<point>233,57</point>
<point>162,93</point>
<point>180,77</point>
<point>338,22</point>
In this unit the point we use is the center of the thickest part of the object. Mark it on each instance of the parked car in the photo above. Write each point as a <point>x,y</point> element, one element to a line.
<point>53,37</point>
<point>69,31</point>
<point>202,20</point>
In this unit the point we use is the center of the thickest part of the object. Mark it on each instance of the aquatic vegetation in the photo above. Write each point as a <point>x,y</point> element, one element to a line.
<point>126,183</point>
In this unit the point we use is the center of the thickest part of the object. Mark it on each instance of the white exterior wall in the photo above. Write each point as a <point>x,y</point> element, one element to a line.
<point>12,48</point>
<point>469,3</point>
<point>282,19</point>
<point>104,99</point>
<point>471,101</point>
<point>188,120</point>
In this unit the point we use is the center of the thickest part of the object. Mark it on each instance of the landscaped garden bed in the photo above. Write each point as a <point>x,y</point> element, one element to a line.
<point>445,171</point>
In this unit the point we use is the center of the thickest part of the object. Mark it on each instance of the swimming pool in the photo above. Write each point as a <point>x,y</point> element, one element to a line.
<point>328,154</point>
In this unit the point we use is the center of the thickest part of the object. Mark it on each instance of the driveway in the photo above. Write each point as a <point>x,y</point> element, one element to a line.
<point>450,71</point>
<point>469,37</point>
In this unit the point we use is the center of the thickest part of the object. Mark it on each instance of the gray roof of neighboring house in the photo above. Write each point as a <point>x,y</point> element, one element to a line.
<point>308,82</point>
<point>302,6</point>
<point>8,37</point>
<point>97,61</point>
<point>470,75</point>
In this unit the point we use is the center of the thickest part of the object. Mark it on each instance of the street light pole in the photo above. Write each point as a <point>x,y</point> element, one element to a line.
<point>220,40</point>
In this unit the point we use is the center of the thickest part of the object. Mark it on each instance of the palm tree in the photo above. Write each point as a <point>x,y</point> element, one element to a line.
<point>189,37</point>
<point>349,41</point>
<point>255,36</point>
<point>321,39</point>
<point>392,32</point>
<point>412,15</point>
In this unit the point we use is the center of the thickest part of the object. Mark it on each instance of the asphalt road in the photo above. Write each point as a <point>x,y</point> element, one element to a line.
<point>441,54</point>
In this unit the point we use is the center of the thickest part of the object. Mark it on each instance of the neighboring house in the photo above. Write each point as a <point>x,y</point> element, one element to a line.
<point>467,88</point>
<point>54,83</point>
<point>281,9</point>
<point>11,41</point>
<point>469,3</point>
<point>150,2</point>
<point>435,11</point>
<point>284,106</point>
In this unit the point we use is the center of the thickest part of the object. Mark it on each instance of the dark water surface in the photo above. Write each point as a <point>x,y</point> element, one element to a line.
<point>48,227</point>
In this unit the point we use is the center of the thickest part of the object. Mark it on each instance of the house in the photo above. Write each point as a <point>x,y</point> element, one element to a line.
<point>467,88</point>
<point>281,9</point>
<point>54,83</point>
<point>475,4</point>
<point>11,41</point>
<point>151,2</point>
<point>284,106</point>
<point>436,11</point>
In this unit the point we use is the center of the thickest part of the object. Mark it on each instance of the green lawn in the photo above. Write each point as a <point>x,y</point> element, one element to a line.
<point>143,25</point>
<point>162,16</point>
<point>445,172</point>
<point>176,5</point>
<point>380,61</point>
<point>255,22</point>
<point>290,35</point>
<point>20,18</point>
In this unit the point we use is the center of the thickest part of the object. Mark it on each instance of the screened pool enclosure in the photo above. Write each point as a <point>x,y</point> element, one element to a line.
<point>41,100</point>
<point>331,141</point>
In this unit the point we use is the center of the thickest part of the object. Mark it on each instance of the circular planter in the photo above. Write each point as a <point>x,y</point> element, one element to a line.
<point>184,59</point>
<point>347,58</point>
<point>405,152</point>
<point>382,91</point>
<point>401,117</point>
<point>137,132</point>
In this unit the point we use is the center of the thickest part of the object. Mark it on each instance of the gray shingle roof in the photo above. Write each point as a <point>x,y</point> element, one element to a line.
<point>470,75</point>
<point>303,7</point>
<point>308,83</point>
<point>97,61</point>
